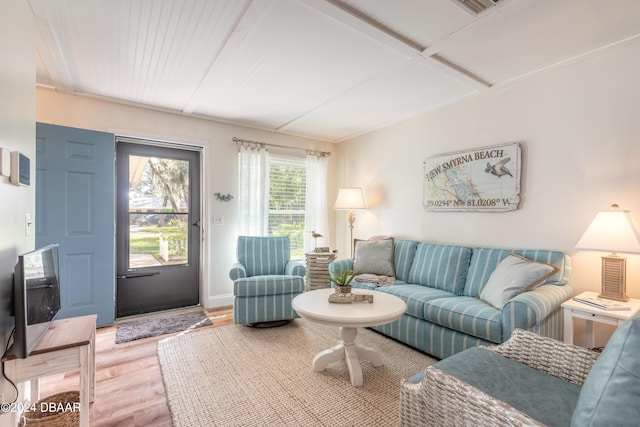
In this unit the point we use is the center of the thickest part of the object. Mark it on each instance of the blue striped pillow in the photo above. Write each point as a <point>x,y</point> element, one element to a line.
<point>440,266</point>
<point>403,254</point>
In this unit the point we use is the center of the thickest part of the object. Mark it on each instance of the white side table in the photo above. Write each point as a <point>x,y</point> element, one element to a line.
<point>68,345</point>
<point>574,309</point>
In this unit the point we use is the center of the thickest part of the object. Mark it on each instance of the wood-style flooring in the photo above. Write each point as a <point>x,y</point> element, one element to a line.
<point>129,387</point>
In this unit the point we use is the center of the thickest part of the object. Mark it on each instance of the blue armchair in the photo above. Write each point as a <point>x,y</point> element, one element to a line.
<point>265,280</point>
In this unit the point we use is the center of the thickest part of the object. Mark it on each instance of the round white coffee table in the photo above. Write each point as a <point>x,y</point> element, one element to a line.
<point>314,306</point>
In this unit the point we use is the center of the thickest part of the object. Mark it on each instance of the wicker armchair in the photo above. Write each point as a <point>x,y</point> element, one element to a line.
<point>443,400</point>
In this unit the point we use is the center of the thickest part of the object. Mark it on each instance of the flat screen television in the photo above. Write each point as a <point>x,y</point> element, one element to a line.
<point>36,298</point>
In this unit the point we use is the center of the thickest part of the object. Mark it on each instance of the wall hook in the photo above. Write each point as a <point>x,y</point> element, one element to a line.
<point>223,197</point>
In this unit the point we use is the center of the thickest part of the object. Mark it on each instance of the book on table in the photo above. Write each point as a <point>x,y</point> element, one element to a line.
<point>602,304</point>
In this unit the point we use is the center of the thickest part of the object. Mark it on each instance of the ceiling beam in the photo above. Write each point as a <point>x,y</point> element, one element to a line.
<point>373,24</point>
<point>489,18</point>
<point>386,36</point>
<point>245,21</point>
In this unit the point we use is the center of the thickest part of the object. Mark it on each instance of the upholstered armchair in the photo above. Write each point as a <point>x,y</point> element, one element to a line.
<point>265,280</point>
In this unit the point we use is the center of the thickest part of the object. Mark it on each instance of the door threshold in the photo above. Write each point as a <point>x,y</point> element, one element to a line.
<point>161,313</point>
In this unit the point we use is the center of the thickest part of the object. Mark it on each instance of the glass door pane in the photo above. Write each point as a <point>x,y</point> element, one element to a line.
<point>157,228</point>
<point>159,214</point>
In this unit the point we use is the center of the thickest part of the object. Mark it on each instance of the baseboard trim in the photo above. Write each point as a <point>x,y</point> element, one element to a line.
<point>219,301</point>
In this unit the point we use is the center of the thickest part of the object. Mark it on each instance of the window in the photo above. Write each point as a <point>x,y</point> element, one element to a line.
<point>287,191</point>
<point>282,195</point>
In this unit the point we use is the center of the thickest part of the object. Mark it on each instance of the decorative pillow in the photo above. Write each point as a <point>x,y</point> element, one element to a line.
<point>514,275</point>
<point>374,257</point>
<point>610,394</point>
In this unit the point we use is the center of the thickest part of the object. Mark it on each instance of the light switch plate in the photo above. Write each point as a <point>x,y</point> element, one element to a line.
<point>27,224</point>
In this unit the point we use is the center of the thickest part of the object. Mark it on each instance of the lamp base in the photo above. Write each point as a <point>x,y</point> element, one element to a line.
<point>351,218</point>
<point>614,278</point>
<point>613,297</point>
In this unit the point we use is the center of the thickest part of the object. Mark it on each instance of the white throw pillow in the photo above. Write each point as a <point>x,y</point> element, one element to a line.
<point>514,275</point>
<point>374,257</point>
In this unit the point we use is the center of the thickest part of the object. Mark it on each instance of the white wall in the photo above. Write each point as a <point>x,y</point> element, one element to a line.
<point>17,133</point>
<point>579,126</point>
<point>17,113</point>
<point>219,165</point>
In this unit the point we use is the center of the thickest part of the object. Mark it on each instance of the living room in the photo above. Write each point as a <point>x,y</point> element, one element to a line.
<point>576,123</point>
<point>577,160</point>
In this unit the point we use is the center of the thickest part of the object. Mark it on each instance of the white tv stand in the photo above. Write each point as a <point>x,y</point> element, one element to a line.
<point>69,344</point>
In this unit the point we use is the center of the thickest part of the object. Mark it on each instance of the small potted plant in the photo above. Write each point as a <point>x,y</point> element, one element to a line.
<point>342,280</point>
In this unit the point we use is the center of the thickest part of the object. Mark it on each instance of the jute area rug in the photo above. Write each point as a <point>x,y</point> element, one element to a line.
<point>130,330</point>
<point>240,376</point>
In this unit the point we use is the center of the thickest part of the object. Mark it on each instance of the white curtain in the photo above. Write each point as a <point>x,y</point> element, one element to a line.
<point>316,217</point>
<point>253,197</point>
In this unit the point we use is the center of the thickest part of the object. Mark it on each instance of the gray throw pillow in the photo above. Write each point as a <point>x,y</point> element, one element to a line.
<point>374,257</point>
<point>514,275</point>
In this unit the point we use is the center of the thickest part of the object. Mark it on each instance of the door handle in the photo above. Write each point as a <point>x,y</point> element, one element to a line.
<point>196,224</point>
<point>135,275</point>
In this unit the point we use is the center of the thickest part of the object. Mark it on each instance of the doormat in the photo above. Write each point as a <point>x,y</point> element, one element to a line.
<point>145,328</point>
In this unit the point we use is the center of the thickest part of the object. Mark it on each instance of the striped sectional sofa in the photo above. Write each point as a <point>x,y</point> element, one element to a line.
<point>440,285</point>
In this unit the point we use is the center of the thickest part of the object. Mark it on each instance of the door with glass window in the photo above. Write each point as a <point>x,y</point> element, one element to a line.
<point>158,228</point>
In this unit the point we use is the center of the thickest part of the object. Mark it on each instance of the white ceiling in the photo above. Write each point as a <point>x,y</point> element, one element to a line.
<point>324,69</point>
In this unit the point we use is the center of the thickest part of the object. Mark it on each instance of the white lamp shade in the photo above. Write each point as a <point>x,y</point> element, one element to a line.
<point>613,231</point>
<point>350,199</point>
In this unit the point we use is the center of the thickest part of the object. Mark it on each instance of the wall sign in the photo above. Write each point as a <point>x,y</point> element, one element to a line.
<point>482,179</point>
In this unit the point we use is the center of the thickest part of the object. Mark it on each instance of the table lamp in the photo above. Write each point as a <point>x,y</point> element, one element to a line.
<point>613,230</point>
<point>350,199</point>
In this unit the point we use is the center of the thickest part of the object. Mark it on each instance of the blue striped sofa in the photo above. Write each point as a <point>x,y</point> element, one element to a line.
<point>440,285</point>
<point>265,280</point>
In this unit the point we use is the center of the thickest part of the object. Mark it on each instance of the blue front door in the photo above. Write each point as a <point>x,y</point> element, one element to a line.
<point>75,207</point>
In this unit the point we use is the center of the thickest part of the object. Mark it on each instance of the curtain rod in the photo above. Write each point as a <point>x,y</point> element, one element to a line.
<point>265,144</point>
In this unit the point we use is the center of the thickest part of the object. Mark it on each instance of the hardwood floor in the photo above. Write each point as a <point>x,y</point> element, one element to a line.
<point>129,387</point>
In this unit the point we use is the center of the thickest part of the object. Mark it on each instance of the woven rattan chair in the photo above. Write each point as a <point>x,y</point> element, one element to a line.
<point>440,399</point>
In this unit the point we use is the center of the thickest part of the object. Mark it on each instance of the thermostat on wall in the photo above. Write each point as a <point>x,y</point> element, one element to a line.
<point>20,169</point>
